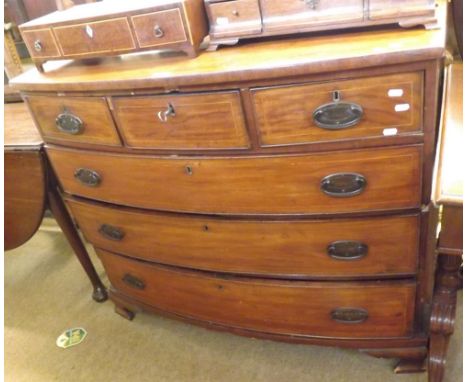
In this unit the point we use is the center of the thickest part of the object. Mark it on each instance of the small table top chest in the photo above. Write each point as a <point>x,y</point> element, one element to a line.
<point>231,20</point>
<point>284,195</point>
<point>116,27</point>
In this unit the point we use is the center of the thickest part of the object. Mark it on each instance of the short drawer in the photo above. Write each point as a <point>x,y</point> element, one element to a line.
<point>190,121</point>
<point>95,37</point>
<point>340,110</point>
<point>279,15</point>
<point>74,119</point>
<point>159,28</point>
<point>234,18</point>
<point>346,181</point>
<point>344,310</point>
<point>293,248</point>
<point>41,43</point>
<point>383,9</point>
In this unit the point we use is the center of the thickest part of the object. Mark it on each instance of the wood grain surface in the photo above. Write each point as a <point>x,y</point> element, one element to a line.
<point>234,18</point>
<point>169,22</point>
<point>107,36</point>
<point>282,307</point>
<point>251,185</point>
<point>289,14</point>
<point>284,114</point>
<point>197,121</point>
<point>19,128</point>
<point>49,47</point>
<point>381,9</point>
<point>449,177</point>
<point>98,126</point>
<point>24,187</point>
<point>287,248</point>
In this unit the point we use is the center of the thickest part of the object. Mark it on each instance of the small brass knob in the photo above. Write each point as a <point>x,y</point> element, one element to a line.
<point>158,32</point>
<point>235,12</point>
<point>37,46</point>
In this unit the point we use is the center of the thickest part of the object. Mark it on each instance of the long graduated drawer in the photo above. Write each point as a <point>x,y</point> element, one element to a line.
<point>340,310</point>
<point>288,248</point>
<point>336,182</point>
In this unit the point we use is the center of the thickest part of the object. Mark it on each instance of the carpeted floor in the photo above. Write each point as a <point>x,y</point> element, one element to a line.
<point>46,292</point>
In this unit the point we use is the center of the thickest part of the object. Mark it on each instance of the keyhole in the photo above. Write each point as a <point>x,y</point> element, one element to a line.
<point>188,170</point>
<point>336,96</point>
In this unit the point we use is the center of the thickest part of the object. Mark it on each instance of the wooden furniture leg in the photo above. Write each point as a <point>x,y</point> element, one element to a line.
<point>65,222</point>
<point>411,360</point>
<point>442,320</point>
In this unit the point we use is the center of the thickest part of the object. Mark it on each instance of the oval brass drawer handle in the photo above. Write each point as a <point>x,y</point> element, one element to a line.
<point>347,250</point>
<point>88,177</point>
<point>133,281</point>
<point>337,115</point>
<point>69,123</point>
<point>349,315</point>
<point>343,184</point>
<point>110,232</point>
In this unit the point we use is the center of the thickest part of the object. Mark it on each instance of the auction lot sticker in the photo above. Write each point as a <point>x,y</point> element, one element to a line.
<point>71,337</point>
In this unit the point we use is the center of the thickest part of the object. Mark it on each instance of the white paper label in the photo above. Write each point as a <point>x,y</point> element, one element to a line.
<point>222,21</point>
<point>390,131</point>
<point>402,107</point>
<point>395,92</point>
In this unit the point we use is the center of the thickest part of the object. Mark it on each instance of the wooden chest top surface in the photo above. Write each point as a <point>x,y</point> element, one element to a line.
<point>326,52</point>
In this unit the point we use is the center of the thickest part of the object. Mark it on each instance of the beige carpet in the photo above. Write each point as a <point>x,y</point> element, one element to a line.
<point>46,292</point>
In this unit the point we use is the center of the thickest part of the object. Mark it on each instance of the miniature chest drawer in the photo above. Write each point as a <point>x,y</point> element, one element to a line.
<point>287,248</point>
<point>234,18</point>
<point>74,119</point>
<point>382,9</point>
<point>95,37</point>
<point>339,110</point>
<point>286,14</point>
<point>341,310</point>
<point>338,182</point>
<point>159,28</point>
<point>41,43</point>
<point>192,121</point>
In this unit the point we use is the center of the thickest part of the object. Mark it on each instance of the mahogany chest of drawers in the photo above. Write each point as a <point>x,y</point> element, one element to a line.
<point>283,197</point>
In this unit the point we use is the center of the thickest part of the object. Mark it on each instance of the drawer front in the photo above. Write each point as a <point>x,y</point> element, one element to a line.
<point>159,28</point>
<point>345,310</point>
<point>97,37</point>
<point>74,119</point>
<point>235,18</point>
<point>365,107</point>
<point>302,13</point>
<point>373,179</point>
<point>383,9</point>
<point>338,248</point>
<point>197,121</point>
<point>41,43</point>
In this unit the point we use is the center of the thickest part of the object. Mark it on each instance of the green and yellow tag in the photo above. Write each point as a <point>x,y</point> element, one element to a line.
<point>71,337</point>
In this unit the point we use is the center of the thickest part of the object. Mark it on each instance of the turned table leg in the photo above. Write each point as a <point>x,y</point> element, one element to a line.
<point>65,222</point>
<point>442,320</point>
